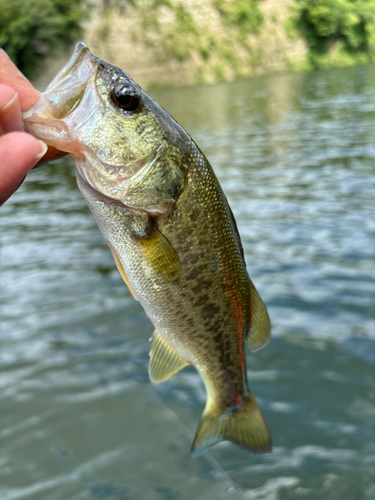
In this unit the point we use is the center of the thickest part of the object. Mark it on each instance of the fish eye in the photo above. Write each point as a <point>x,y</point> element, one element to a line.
<point>125,97</point>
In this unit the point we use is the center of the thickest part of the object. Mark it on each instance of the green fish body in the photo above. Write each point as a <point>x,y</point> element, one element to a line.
<point>172,234</point>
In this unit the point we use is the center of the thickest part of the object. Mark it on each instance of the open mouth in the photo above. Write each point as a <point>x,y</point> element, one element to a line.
<point>65,92</point>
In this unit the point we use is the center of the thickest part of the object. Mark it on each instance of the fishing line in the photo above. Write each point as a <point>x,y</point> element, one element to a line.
<point>233,487</point>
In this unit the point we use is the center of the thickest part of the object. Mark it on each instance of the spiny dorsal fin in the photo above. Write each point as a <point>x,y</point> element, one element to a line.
<point>260,325</point>
<point>121,271</point>
<point>164,361</point>
<point>160,254</point>
<point>243,425</point>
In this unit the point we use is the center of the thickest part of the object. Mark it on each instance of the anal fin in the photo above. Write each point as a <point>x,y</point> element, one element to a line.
<point>164,361</point>
<point>260,324</point>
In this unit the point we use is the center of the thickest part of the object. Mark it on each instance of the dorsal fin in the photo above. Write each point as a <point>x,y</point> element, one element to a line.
<point>260,324</point>
<point>164,361</point>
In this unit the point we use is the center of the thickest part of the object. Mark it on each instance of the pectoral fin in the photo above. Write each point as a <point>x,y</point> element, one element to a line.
<point>164,361</point>
<point>121,271</point>
<point>160,255</point>
<point>260,325</point>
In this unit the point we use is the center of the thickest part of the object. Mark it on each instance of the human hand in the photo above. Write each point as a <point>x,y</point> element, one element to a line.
<point>19,151</point>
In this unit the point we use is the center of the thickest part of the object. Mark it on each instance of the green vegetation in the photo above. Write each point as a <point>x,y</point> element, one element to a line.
<point>31,29</point>
<point>178,38</point>
<point>170,28</point>
<point>338,32</point>
<point>184,37</point>
<point>244,14</point>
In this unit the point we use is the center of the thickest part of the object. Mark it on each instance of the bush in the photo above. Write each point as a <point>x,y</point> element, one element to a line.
<point>338,32</point>
<point>32,29</point>
<point>244,14</point>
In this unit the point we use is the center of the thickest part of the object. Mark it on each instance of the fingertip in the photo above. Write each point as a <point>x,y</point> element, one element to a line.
<point>7,94</point>
<point>10,110</point>
<point>42,152</point>
<point>26,146</point>
<point>19,152</point>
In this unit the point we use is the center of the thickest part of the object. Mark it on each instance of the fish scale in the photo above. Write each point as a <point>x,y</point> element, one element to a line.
<point>173,236</point>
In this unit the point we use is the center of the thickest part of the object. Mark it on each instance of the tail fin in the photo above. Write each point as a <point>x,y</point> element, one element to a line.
<point>243,425</point>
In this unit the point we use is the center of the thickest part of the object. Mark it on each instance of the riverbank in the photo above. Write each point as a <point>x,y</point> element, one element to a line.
<point>170,43</point>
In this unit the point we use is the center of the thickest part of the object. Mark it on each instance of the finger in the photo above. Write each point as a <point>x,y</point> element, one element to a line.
<point>12,76</point>
<point>19,152</point>
<point>10,110</point>
<point>51,155</point>
<point>27,95</point>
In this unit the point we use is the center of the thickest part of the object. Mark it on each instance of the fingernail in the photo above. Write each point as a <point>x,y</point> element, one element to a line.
<point>10,116</point>
<point>9,103</point>
<point>43,152</point>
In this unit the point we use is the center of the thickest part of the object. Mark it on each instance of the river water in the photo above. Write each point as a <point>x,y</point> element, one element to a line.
<point>79,418</point>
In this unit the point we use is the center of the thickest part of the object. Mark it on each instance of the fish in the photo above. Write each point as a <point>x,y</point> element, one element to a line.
<point>172,235</point>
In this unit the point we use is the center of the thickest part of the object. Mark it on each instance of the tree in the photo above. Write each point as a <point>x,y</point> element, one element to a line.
<point>338,32</point>
<point>32,29</point>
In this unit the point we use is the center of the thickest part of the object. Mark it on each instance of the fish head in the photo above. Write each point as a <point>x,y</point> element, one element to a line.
<point>124,145</point>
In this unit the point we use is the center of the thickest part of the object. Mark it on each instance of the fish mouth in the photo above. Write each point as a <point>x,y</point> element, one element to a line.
<point>67,89</point>
<point>74,83</point>
<point>75,67</point>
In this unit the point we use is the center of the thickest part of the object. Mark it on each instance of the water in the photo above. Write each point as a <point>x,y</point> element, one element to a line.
<point>79,418</point>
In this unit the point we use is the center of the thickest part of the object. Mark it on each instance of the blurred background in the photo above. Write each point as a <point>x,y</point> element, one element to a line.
<point>169,43</point>
<point>294,149</point>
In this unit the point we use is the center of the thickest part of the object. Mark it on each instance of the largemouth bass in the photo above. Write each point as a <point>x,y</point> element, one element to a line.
<point>172,234</point>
